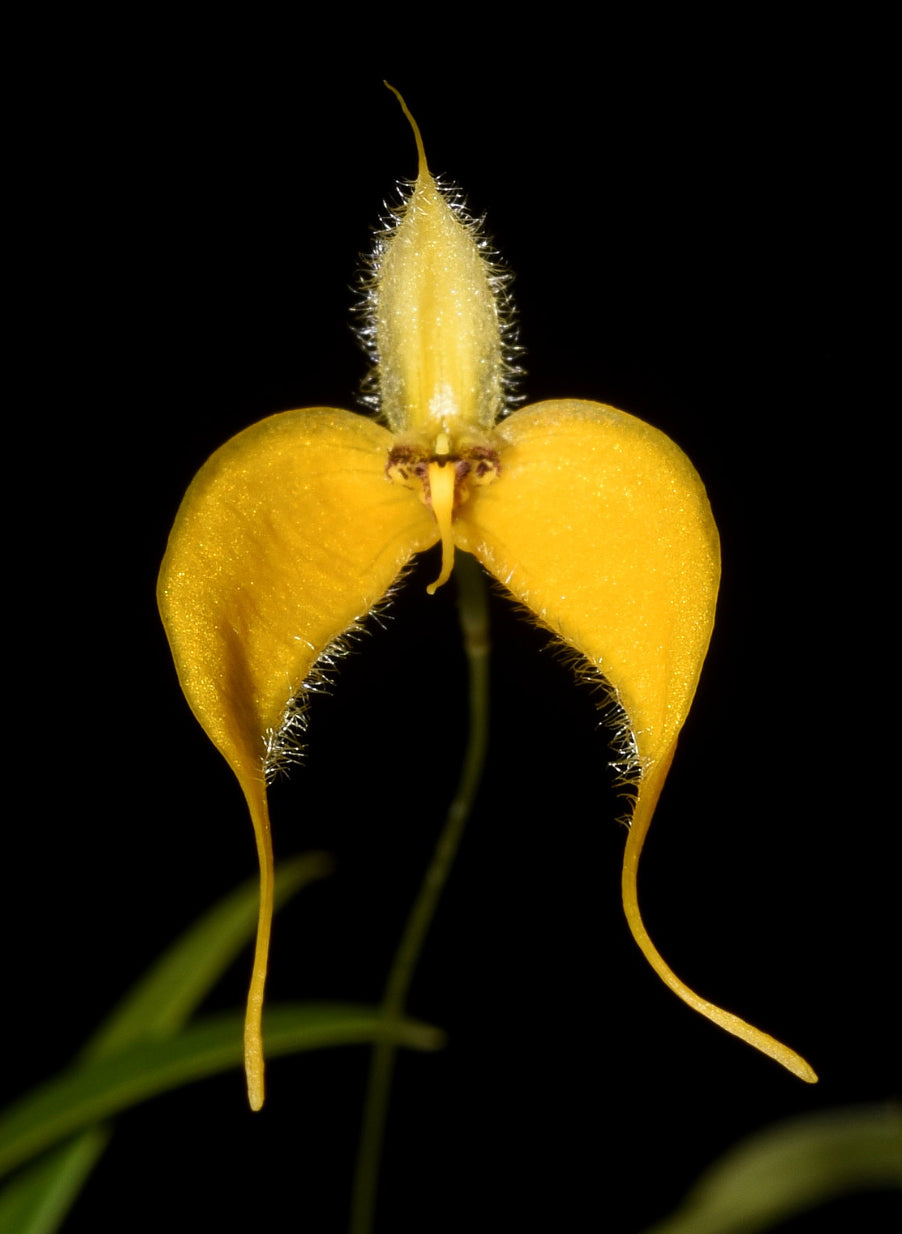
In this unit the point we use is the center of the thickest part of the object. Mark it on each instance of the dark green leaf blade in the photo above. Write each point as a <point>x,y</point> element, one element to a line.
<point>88,1093</point>
<point>164,998</point>
<point>157,1006</point>
<point>37,1201</point>
<point>792,1167</point>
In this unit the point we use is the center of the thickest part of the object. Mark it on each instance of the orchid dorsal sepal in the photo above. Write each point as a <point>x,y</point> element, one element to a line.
<point>298,527</point>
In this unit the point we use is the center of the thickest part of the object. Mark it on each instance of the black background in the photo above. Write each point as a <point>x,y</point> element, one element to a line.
<point>689,244</point>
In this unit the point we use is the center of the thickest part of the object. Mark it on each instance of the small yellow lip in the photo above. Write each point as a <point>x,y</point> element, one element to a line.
<point>442,480</point>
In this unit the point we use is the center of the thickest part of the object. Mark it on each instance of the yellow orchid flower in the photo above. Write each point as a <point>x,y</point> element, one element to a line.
<point>296,528</point>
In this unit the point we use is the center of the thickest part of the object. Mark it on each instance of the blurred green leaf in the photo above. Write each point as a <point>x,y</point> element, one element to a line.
<point>37,1201</point>
<point>158,1005</point>
<point>792,1167</point>
<point>93,1091</point>
<point>164,998</point>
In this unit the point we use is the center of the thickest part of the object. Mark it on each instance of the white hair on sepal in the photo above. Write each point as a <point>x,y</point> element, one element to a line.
<point>625,761</point>
<point>285,747</point>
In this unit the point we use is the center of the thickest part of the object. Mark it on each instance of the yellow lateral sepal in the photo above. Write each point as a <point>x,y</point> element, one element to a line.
<point>288,536</point>
<point>601,526</point>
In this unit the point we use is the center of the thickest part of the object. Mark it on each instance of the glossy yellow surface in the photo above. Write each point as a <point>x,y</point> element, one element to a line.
<point>601,526</point>
<point>297,527</point>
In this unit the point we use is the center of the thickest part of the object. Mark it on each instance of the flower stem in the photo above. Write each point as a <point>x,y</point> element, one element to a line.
<point>473,615</point>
